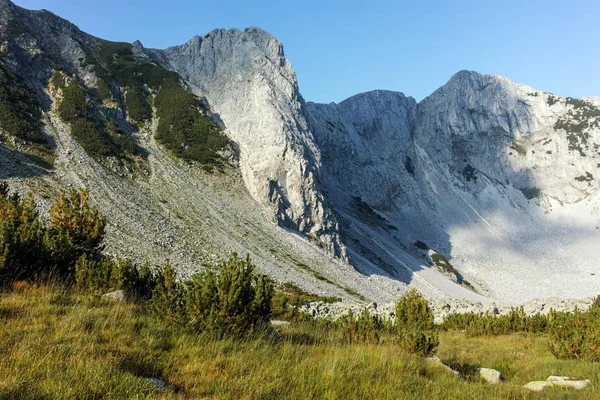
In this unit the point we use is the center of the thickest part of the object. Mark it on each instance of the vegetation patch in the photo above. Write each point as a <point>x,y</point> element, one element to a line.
<point>19,108</point>
<point>588,177</point>
<point>184,129</point>
<point>531,193</point>
<point>98,138</point>
<point>519,148</point>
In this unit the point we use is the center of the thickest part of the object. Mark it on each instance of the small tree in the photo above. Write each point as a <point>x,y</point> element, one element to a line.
<point>76,229</point>
<point>233,301</point>
<point>414,321</point>
<point>167,296</point>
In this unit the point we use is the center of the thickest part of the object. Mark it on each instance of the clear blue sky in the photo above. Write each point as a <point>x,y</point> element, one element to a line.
<point>340,48</point>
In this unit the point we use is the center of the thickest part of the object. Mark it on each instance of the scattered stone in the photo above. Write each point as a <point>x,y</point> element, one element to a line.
<point>117,296</point>
<point>157,383</point>
<point>537,386</point>
<point>566,381</point>
<point>559,381</point>
<point>490,375</point>
<point>275,322</point>
<point>436,360</point>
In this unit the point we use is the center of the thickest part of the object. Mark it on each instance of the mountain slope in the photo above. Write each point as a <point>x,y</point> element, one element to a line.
<point>486,190</point>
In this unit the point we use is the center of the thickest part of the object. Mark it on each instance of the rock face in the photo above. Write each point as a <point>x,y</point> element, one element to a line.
<point>250,84</point>
<point>486,191</point>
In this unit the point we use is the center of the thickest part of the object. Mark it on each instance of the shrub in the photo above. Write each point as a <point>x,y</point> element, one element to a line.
<point>29,248</point>
<point>106,275</point>
<point>22,250</point>
<point>414,321</point>
<point>412,312</point>
<point>361,328</point>
<point>137,109</point>
<point>167,297</point>
<point>76,228</point>
<point>233,301</point>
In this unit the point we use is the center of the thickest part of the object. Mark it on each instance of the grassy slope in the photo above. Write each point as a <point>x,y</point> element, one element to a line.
<point>57,345</point>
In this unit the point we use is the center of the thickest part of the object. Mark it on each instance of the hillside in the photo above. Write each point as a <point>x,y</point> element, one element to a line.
<point>486,190</point>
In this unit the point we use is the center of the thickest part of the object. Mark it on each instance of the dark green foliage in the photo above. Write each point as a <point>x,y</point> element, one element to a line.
<point>531,192</point>
<point>108,275</point>
<point>183,128</point>
<point>167,297</point>
<point>361,328</point>
<point>16,27</point>
<point>103,91</point>
<point>490,325</point>
<point>137,108</point>
<point>577,334</point>
<point>233,301</point>
<point>19,108</point>
<point>76,228</point>
<point>412,312</point>
<point>22,250</point>
<point>122,140</point>
<point>419,342</point>
<point>28,247</point>
<point>552,100</point>
<point>98,139</point>
<point>414,322</point>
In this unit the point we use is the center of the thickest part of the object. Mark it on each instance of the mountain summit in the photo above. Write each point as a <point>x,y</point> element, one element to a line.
<point>485,190</point>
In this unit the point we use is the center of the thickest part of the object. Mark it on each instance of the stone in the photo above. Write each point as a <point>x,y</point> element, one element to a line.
<point>157,383</point>
<point>437,361</point>
<point>117,296</point>
<point>489,375</point>
<point>537,386</point>
<point>566,381</point>
<point>275,322</point>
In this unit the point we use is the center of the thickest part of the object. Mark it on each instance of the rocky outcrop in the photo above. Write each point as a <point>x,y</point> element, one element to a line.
<point>252,87</point>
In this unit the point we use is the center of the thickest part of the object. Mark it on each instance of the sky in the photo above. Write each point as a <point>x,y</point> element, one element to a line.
<point>341,48</point>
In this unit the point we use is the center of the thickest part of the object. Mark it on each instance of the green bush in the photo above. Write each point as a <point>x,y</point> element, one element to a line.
<point>137,108</point>
<point>412,312</point>
<point>361,328</point>
<point>575,335</point>
<point>28,247</point>
<point>414,322</point>
<point>22,235</point>
<point>289,298</point>
<point>106,275</point>
<point>233,301</point>
<point>167,303</point>
<point>76,228</point>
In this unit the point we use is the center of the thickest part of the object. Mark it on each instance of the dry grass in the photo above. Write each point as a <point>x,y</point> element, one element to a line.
<point>61,346</point>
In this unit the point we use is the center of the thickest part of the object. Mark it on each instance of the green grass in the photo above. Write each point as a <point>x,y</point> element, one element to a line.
<point>58,345</point>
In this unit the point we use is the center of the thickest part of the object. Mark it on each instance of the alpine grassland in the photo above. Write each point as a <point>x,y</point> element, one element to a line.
<point>212,336</point>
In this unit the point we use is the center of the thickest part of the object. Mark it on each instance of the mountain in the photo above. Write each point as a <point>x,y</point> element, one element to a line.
<point>484,191</point>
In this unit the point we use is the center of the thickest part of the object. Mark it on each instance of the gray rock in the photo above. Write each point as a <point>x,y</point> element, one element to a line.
<point>117,296</point>
<point>489,375</point>
<point>157,383</point>
<point>437,361</point>
<point>537,386</point>
<point>566,381</point>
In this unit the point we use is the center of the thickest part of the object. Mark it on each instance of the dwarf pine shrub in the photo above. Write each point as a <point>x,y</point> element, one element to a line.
<point>233,300</point>
<point>106,275</point>
<point>361,328</point>
<point>414,322</point>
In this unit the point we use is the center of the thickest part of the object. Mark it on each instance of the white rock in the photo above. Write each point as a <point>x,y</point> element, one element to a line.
<point>489,375</point>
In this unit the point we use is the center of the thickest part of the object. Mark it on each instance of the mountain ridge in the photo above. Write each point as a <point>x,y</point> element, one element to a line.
<point>366,193</point>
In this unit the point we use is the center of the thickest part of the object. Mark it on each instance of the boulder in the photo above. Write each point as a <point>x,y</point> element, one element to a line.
<point>489,375</point>
<point>566,381</point>
<point>436,360</point>
<point>537,386</point>
<point>559,381</point>
<point>117,296</point>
